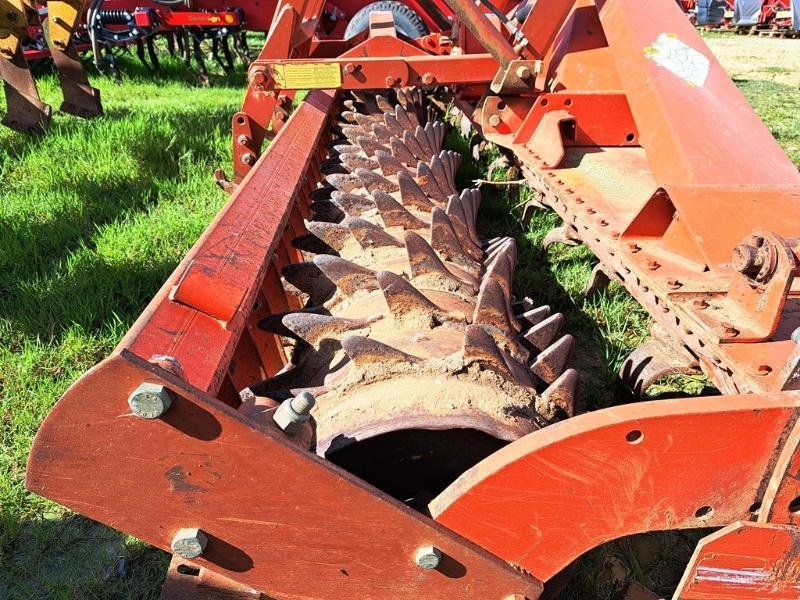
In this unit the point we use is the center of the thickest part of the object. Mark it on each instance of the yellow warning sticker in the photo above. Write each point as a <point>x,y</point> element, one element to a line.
<point>308,76</point>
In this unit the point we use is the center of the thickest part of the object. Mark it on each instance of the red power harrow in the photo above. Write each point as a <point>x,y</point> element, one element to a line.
<point>337,395</point>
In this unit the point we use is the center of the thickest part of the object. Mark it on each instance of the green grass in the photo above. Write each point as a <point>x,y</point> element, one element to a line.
<point>96,215</point>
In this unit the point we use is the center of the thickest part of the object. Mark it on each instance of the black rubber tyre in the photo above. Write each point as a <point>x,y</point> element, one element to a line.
<point>406,20</point>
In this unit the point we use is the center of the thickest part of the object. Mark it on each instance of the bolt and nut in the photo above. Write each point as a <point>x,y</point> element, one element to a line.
<point>524,72</point>
<point>150,400</point>
<point>189,542</point>
<point>259,77</point>
<point>754,259</point>
<point>494,120</point>
<point>428,557</point>
<point>293,413</point>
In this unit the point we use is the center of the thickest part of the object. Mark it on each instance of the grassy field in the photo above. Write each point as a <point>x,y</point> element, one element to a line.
<point>96,215</point>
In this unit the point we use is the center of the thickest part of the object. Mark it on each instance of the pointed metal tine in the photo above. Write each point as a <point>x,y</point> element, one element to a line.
<point>541,335</point>
<point>354,161</point>
<point>344,182</point>
<point>413,146</point>
<point>346,275</point>
<point>388,164</point>
<point>373,181</point>
<point>479,346</point>
<point>353,205</point>
<point>312,327</point>
<point>411,194</point>
<point>563,391</point>
<point>422,141</point>
<point>444,183</point>
<point>550,363</point>
<point>381,133</point>
<point>349,116</point>
<point>455,211</point>
<point>445,242</point>
<point>502,270</point>
<point>402,116</point>
<point>404,300</point>
<point>364,352</point>
<point>370,235</point>
<point>346,148</point>
<point>491,308</point>
<point>428,184</point>
<point>394,214</point>
<point>393,125</point>
<point>311,243</point>
<point>274,323</point>
<point>535,315</point>
<point>330,166</point>
<point>333,234</point>
<point>430,137</point>
<point>565,234</point>
<point>369,144</point>
<point>402,152</point>
<point>383,104</point>
<point>423,260</point>
<point>365,122</point>
<point>352,132</point>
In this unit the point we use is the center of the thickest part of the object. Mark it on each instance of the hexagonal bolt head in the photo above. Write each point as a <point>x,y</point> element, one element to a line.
<point>294,412</point>
<point>494,120</point>
<point>150,400</point>
<point>524,72</point>
<point>189,543</point>
<point>428,557</point>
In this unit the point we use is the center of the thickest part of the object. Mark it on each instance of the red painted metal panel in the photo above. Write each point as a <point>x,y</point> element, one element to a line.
<point>547,498</point>
<point>200,312</point>
<point>278,518</point>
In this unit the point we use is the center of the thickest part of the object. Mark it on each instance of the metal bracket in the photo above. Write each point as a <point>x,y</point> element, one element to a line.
<point>519,76</point>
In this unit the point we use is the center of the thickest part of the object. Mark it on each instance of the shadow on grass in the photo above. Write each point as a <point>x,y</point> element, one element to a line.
<point>63,555</point>
<point>39,294</point>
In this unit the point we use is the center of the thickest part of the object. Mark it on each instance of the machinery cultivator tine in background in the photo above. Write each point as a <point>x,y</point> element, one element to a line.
<point>25,111</point>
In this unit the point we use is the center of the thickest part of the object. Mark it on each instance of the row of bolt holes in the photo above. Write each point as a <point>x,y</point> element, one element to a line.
<point>703,513</point>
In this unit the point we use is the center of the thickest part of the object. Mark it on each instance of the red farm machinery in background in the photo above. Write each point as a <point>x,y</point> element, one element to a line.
<point>341,393</point>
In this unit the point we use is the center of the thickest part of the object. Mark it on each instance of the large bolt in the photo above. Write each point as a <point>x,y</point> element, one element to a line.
<point>494,120</point>
<point>292,414</point>
<point>189,542</point>
<point>746,258</point>
<point>259,77</point>
<point>150,400</point>
<point>428,79</point>
<point>249,159</point>
<point>428,557</point>
<point>524,72</point>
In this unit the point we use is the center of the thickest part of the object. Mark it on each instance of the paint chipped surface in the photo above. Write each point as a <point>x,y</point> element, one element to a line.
<point>684,61</point>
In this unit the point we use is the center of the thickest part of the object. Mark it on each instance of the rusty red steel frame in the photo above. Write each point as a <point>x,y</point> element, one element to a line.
<point>614,111</point>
